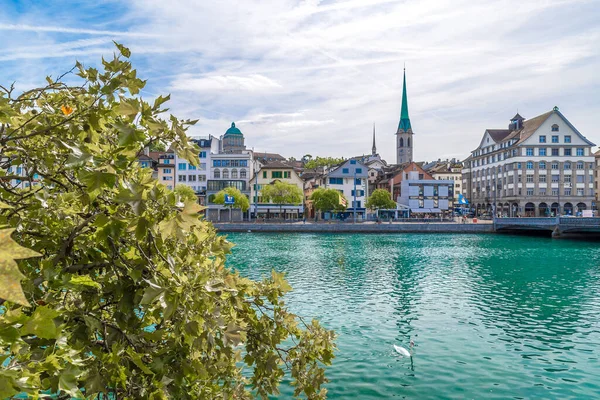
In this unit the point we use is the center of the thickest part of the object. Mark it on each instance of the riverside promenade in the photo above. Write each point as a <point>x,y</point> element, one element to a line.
<point>362,227</point>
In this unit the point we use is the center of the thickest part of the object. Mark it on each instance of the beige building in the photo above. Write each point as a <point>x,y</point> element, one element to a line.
<point>268,174</point>
<point>449,170</point>
<point>536,167</point>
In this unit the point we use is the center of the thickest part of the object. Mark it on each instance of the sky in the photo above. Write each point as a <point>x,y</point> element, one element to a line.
<point>313,76</point>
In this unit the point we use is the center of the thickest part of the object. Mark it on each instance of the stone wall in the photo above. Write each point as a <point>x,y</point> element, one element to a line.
<point>358,228</point>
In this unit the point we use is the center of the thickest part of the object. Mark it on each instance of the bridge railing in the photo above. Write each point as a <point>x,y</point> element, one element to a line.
<point>580,221</point>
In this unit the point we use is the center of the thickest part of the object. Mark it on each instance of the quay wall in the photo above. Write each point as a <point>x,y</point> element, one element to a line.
<point>357,228</point>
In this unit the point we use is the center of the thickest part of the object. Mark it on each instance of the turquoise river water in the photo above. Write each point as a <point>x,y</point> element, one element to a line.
<point>492,317</point>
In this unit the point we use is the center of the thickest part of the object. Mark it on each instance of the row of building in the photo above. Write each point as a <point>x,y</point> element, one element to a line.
<point>536,167</point>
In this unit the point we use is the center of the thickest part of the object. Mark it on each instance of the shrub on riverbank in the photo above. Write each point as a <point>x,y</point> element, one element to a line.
<point>118,290</point>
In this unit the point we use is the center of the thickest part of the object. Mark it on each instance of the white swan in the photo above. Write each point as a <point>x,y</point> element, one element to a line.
<point>402,351</point>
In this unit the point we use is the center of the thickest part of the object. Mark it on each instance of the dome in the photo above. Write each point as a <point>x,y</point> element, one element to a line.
<point>233,130</point>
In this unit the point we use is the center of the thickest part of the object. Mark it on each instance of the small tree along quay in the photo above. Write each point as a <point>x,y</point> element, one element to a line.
<point>281,193</point>
<point>327,200</point>
<point>109,287</point>
<point>380,199</point>
<point>185,193</point>
<point>240,199</point>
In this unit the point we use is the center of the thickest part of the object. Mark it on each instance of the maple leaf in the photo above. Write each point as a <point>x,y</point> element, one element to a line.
<point>10,276</point>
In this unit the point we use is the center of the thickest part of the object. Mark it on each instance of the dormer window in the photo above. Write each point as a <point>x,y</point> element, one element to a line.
<point>554,128</point>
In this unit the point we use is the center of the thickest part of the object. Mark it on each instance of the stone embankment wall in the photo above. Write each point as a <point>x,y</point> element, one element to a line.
<point>358,228</point>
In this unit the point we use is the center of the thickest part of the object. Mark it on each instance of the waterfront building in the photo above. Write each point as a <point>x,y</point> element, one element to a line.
<point>166,169</point>
<point>374,163</point>
<point>597,179</point>
<point>149,159</point>
<point>196,177</point>
<point>536,167</point>
<point>232,141</point>
<point>267,175</point>
<point>350,179</point>
<point>449,170</point>
<point>404,134</point>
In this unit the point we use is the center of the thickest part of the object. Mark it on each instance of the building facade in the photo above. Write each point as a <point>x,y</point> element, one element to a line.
<point>449,170</point>
<point>267,175</point>
<point>166,169</point>
<point>351,179</point>
<point>537,167</point>
<point>597,180</point>
<point>404,134</point>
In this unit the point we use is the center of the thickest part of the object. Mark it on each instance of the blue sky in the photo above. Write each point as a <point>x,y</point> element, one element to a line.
<point>313,76</point>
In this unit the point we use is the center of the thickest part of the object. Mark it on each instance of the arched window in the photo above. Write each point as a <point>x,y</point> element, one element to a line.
<point>225,174</point>
<point>554,128</point>
<point>234,174</point>
<point>217,174</point>
<point>580,165</point>
<point>242,173</point>
<point>401,142</point>
<point>408,142</point>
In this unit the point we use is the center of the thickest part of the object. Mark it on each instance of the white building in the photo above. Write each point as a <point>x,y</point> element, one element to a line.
<point>350,179</point>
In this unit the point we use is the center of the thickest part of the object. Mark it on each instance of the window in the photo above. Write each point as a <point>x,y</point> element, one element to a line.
<point>217,174</point>
<point>580,178</point>
<point>352,162</point>
<point>234,174</point>
<point>567,165</point>
<point>358,181</point>
<point>192,178</point>
<point>264,174</point>
<point>202,178</point>
<point>554,128</point>
<point>336,181</point>
<point>243,174</point>
<point>530,192</point>
<point>202,154</point>
<point>359,193</point>
<point>579,192</point>
<point>542,152</point>
<point>359,170</point>
<point>529,178</point>
<point>182,178</point>
<point>567,152</point>
<point>542,178</point>
<point>529,151</point>
<point>555,178</point>
<point>225,174</point>
<point>554,165</point>
<point>567,139</point>
<point>19,170</point>
<point>542,191</point>
<point>580,165</point>
<point>542,165</point>
<point>567,178</point>
<point>144,164</point>
<point>420,176</point>
<point>518,165</point>
<point>276,174</point>
<point>567,191</point>
<point>181,166</point>
<point>345,171</point>
<point>542,138</point>
<point>167,170</point>
<point>580,152</point>
<point>554,152</point>
<point>554,138</point>
<point>519,178</point>
<point>555,192</point>
<point>529,165</point>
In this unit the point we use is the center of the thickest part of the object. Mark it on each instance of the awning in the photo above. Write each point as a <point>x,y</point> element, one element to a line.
<point>425,210</point>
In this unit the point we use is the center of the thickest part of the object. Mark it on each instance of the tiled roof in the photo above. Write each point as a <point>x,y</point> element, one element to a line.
<point>498,134</point>
<point>530,126</point>
<point>277,165</point>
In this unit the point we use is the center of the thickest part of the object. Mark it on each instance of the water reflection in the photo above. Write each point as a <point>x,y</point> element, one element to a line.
<point>492,316</point>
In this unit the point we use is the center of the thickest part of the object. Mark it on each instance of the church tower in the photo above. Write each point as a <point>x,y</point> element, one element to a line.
<point>374,148</point>
<point>404,135</point>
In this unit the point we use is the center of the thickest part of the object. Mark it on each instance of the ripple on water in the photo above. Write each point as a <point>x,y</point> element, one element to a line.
<point>493,317</point>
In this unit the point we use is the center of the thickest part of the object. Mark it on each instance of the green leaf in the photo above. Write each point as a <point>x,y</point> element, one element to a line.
<point>41,323</point>
<point>7,387</point>
<point>96,180</point>
<point>128,135</point>
<point>137,360</point>
<point>67,382</point>
<point>151,293</point>
<point>4,205</point>
<point>129,107</point>
<point>124,50</point>
<point>10,276</point>
<point>160,100</point>
<point>84,280</point>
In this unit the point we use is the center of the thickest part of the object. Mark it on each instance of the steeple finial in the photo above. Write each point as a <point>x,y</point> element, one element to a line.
<point>374,149</point>
<point>404,124</point>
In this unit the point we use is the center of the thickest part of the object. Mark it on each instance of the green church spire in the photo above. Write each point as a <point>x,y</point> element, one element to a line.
<point>404,124</point>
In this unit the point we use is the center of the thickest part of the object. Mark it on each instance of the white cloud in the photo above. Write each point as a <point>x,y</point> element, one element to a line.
<point>219,83</point>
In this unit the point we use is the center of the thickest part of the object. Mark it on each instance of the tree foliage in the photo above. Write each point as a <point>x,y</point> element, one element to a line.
<point>239,198</point>
<point>108,283</point>
<point>318,162</point>
<point>380,199</point>
<point>281,193</point>
<point>185,193</point>
<point>324,199</point>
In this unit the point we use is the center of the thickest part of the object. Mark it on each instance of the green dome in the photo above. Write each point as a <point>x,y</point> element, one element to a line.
<point>233,130</point>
